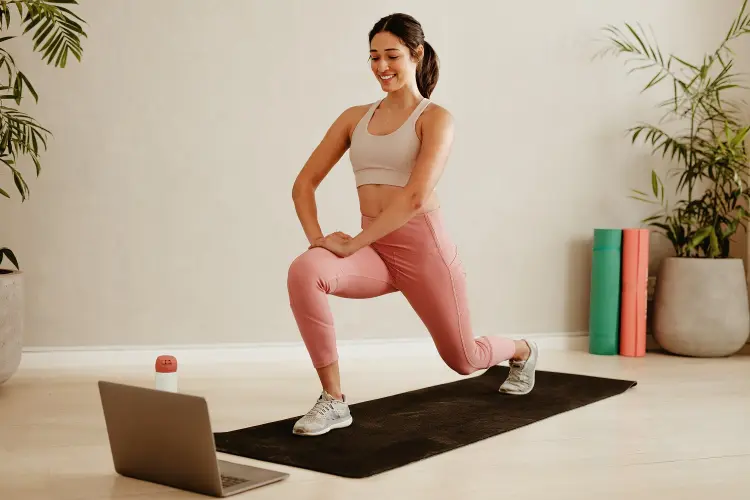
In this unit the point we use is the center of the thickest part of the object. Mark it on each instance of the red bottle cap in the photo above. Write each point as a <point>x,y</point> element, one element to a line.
<point>166,364</point>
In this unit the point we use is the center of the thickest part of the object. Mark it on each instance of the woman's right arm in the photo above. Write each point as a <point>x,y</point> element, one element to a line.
<point>321,161</point>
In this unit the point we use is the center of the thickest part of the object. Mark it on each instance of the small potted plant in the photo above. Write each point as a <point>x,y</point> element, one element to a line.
<point>701,300</point>
<point>56,32</point>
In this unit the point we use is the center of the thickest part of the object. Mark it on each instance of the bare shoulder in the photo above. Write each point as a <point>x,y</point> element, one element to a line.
<point>435,119</point>
<point>358,111</point>
<point>436,114</point>
<point>350,117</point>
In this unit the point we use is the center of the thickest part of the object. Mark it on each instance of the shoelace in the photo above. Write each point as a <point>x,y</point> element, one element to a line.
<point>321,408</point>
<point>518,364</point>
<point>517,374</point>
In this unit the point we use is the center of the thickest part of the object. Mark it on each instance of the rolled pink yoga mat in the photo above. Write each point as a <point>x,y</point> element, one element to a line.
<point>634,295</point>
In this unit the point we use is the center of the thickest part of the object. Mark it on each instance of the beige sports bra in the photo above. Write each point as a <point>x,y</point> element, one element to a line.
<point>385,159</point>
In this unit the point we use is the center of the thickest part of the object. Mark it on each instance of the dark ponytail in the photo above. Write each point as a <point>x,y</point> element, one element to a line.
<point>428,71</point>
<point>409,31</point>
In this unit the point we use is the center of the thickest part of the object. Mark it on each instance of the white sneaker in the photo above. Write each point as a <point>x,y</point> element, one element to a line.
<point>328,413</point>
<point>521,377</point>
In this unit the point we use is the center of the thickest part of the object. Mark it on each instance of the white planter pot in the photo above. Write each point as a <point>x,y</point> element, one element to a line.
<point>11,323</point>
<point>701,307</point>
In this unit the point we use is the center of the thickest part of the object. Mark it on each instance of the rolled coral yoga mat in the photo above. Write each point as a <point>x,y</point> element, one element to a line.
<point>604,301</point>
<point>634,294</point>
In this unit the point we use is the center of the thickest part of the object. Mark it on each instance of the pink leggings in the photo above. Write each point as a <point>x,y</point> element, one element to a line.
<point>419,260</point>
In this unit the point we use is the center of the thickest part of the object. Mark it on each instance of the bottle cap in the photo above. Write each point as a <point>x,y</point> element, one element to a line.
<point>166,364</point>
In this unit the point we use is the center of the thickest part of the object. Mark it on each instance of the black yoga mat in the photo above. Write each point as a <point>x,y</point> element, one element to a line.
<point>396,430</point>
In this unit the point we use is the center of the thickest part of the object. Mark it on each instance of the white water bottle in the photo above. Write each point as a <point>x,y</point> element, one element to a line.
<point>166,373</point>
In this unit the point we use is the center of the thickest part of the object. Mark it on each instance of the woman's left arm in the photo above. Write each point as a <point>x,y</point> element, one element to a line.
<point>437,141</point>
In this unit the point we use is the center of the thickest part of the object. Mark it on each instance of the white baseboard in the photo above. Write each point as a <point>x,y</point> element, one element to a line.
<point>85,357</point>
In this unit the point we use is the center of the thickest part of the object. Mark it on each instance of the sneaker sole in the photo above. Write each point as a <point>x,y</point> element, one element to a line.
<point>339,425</point>
<point>517,393</point>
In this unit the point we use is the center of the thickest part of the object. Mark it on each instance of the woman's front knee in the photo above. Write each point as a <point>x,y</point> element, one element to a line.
<point>306,268</point>
<point>461,366</point>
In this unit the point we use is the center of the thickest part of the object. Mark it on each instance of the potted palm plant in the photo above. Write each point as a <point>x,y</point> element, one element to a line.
<point>700,305</point>
<point>56,33</point>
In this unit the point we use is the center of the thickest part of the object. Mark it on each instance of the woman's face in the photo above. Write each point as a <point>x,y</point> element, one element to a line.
<point>391,62</point>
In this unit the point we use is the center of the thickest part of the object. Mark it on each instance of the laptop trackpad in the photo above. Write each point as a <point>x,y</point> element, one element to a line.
<point>257,476</point>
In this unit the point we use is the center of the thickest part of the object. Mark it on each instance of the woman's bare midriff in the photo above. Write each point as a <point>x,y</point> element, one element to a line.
<point>374,198</point>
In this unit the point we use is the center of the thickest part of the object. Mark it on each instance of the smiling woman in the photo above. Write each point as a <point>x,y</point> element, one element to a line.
<point>399,40</point>
<point>398,147</point>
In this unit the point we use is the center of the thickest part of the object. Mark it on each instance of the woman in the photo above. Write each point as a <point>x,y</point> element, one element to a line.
<point>398,147</point>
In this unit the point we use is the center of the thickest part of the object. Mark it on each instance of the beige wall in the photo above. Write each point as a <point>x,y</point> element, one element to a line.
<point>164,216</point>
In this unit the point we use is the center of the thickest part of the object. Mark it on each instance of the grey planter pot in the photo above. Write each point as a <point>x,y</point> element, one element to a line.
<point>701,307</point>
<point>11,323</point>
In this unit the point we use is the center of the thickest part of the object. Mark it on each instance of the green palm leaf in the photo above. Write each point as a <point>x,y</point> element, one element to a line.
<point>708,154</point>
<point>55,32</point>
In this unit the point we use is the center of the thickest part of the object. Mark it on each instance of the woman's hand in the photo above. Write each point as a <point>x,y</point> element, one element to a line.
<point>338,243</point>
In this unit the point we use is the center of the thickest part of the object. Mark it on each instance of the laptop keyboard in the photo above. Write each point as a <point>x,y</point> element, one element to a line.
<point>227,481</point>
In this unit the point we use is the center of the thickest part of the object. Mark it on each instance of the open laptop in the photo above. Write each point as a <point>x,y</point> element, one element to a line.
<point>166,438</point>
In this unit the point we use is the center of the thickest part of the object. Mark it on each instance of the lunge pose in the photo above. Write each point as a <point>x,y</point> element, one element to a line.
<point>398,147</point>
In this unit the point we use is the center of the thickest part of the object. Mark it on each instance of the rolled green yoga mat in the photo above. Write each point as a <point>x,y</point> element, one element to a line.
<point>604,312</point>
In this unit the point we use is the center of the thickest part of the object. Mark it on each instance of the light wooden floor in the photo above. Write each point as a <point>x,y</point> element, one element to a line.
<point>682,433</point>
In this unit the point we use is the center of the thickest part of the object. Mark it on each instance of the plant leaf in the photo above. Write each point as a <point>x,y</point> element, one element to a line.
<point>29,85</point>
<point>7,252</point>
<point>714,243</point>
<point>699,236</point>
